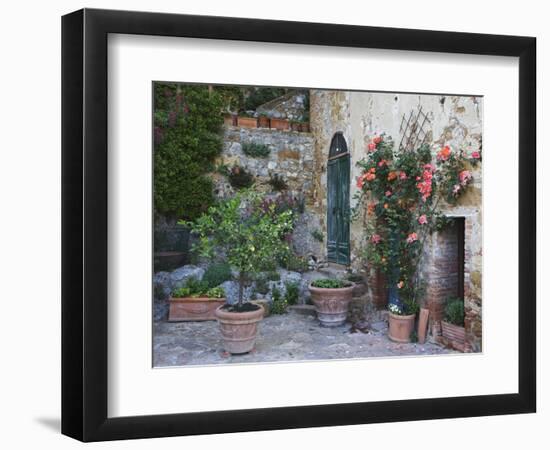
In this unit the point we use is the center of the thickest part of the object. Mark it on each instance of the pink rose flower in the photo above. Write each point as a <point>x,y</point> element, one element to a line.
<point>422,220</point>
<point>372,147</point>
<point>388,193</point>
<point>475,155</point>
<point>375,238</point>
<point>400,284</point>
<point>412,237</point>
<point>402,176</point>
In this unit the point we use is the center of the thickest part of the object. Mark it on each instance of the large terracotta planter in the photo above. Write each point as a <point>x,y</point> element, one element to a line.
<point>456,335</point>
<point>264,122</point>
<point>280,124</point>
<point>400,327</point>
<point>331,304</point>
<point>247,122</point>
<point>185,309</point>
<point>239,329</point>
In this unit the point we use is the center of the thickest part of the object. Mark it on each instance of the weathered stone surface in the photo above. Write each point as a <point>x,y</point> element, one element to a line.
<point>287,337</point>
<point>180,276</point>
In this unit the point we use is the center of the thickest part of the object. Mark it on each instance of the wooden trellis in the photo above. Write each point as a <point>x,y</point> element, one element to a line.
<point>414,130</point>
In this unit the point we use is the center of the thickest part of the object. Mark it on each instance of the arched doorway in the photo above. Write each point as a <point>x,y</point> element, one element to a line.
<point>338,201</point>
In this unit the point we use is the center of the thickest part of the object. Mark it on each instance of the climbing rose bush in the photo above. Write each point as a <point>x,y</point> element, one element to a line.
<point>402,192</point>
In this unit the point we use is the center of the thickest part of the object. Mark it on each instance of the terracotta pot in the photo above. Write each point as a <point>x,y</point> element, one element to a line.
<point>247,122</point>
<point>294,126</point>
<point>239,329</point>
<point>456,335</point>
<point>304,127</point>
<point>400,327</point>
<point>264,122</point>
<point>185,309</point>
<point>280,124</point>
<point>169,260</point>
<point>331,305</point>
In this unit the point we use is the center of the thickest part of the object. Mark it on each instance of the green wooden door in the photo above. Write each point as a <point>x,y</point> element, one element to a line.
<point>338,209</point>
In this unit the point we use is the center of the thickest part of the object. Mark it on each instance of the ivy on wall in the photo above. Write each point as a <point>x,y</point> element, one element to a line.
<point>187,139</point>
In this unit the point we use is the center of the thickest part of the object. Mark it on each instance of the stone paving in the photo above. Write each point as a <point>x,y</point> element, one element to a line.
<point>287,337</point>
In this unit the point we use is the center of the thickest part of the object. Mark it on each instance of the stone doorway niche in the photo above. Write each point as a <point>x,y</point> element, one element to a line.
<point>445,271</point>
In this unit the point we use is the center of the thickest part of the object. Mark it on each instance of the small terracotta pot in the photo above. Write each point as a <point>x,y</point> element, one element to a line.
<point>400,327</point>
<point>185,309</point>
<point>280,124</point>
<point>455,334</point>
<point>264,122</point>
<point>247,122</point>
<point>331,305</point>
<point>295,126</point>
<point>239,329</point>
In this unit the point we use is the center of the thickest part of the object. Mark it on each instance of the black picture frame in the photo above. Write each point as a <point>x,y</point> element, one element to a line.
<point>84,224</point>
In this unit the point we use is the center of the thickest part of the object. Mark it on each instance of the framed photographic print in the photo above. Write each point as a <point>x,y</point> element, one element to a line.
<point>273,224</point>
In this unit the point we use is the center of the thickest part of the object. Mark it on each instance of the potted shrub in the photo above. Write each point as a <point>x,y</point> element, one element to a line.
<point>195,302</point>
<point>401,319</point>
<point>452,326</point>
<point>264,121</point>
<point>249,233</point>
<point>247,121</point>
<point>331,299</point>
<point>279,124</point>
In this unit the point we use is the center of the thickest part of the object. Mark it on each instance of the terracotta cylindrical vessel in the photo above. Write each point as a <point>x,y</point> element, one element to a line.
<point>377,283</point>
<point>331,304</point>
<point>239,329</point>
<point>400,327</point>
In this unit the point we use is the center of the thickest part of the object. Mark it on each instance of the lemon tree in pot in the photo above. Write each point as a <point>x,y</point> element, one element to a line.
<point>249,233</point>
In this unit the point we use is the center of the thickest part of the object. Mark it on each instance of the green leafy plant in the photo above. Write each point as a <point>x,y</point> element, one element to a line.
<point>187,139</point>
<point>292,292</point>
<point>240,178</point>
<point>327,283</point>
<point>294,263</point>
<point>216,274</point>
<point>198,288</point>
<point>278,183</point>
<point>256,150</point>
<point>249,237</point>
<point>454,311</point>
<point>318,235</point>
<point>260,95</point>
<point>279,304</point>
<point>262,285</point>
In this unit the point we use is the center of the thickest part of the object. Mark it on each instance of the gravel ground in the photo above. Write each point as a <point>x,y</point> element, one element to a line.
<point>287,337</point>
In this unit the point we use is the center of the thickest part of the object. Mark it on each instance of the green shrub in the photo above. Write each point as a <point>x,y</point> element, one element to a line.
<point>259,95</point>
<point>454,311</point>
<point>187,139</point>
<point>197,288</point>
<point>327,283</point>
<point>273,275</point>
<point>292,292</point>
<point>262,284</point>
<point>295,263</point>
<point>279,304</point>
<point>256,150</point>
<point>318,235</point>
<point>216,274</point>
<point>278,183</point>
<point>240,178</point>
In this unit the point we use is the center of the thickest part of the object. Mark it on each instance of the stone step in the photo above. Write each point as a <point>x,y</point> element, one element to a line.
<point>305,310</point>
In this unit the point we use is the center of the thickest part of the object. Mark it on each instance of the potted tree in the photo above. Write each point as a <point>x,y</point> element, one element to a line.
<point>331,299</point>
<point>249,233</point>
<point>195,302</point>
<point>452,326</point>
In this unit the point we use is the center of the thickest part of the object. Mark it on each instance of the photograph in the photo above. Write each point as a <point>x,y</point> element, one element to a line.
<point>308,224</point>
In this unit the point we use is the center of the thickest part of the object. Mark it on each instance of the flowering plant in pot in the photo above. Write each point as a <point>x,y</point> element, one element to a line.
<point>403,192</point>
<point>196,301</point>
<point>331,299</point>
<point>453,324</point>
<point>250,234</point>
